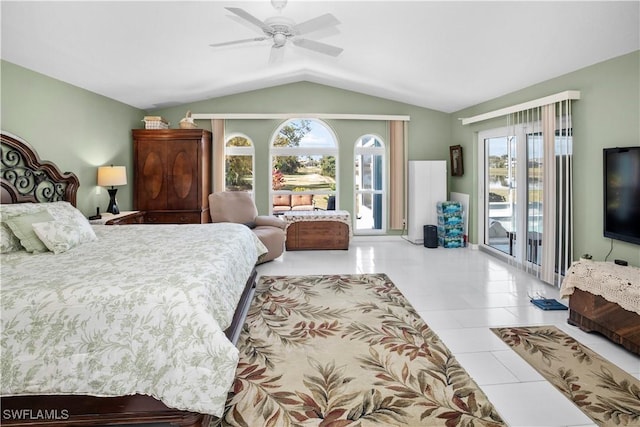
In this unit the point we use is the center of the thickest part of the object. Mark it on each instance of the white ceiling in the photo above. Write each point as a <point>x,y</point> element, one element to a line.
<point>440,55</point>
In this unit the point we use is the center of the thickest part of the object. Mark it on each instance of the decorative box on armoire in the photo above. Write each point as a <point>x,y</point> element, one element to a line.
<point>172,175</point>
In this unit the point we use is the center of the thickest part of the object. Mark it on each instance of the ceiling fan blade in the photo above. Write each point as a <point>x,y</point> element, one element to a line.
<point>327,49</point>
<point>247,17</point>
<point>255,39</point>
<point>315,24</point>
<point>277,54</point>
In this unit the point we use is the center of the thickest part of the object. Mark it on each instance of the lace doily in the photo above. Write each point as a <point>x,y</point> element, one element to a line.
<point>615,283</point>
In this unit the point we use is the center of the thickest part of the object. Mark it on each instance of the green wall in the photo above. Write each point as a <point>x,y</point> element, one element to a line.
<point>429,130</point>
<point>79,130</point>
<point>607,115</point>
<point>76,129</point>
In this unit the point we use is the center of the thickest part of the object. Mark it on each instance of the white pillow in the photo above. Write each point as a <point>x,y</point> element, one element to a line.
<point>22,227</point>
<point>8,241</point>
<point>60,211</point>
<point>60,236</point>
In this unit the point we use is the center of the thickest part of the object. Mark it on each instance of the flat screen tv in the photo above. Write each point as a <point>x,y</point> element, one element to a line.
<point>622,194</point>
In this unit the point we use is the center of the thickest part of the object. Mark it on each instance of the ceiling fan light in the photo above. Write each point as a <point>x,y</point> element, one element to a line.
<point>279,39</point>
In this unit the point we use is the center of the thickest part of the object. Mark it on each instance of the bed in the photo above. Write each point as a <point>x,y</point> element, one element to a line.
<point>113,324</point>
<point>605,297</point>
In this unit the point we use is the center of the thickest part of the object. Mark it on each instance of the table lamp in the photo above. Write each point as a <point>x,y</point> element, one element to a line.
<point>112,176</point>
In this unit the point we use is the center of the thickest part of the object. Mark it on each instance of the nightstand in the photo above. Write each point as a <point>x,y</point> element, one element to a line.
<point>126,217</point>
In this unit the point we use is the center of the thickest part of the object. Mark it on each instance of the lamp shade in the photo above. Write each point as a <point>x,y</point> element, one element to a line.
<point>112,175</point>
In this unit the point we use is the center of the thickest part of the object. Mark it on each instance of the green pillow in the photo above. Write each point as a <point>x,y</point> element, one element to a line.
<point>22,227</point>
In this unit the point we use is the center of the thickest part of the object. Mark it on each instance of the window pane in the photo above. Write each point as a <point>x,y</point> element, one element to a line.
<point>369,211</point>
<point>369,141</point>
<point>500,180</point>
<point>238,141</point>
<point>303,160</point>
<point>304,173</point>
<point>305,134</point>
<point>239,173</point>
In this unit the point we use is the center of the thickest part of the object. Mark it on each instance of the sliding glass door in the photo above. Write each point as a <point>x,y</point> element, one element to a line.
<point>500,198</point>
<point>513,198</point>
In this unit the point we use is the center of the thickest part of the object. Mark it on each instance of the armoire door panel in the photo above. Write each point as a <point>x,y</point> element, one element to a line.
<point>151,179</point>
<point>182,188</point>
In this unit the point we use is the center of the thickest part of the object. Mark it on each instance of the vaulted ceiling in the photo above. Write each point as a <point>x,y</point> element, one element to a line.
<point>444,55</point>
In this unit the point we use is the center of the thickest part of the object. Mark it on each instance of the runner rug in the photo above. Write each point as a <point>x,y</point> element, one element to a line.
<point>605,393</point>
<point>346,350</point>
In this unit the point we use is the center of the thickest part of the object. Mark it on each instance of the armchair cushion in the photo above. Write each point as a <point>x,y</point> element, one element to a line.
<point>232,206</point>
<point>238,207</point>
<point>282,200</point>
<point>271,221</point>
<point>302,202</point>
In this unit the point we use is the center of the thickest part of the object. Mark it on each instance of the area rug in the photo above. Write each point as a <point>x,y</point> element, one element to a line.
<point>605,393</point>
<point>346,350</point>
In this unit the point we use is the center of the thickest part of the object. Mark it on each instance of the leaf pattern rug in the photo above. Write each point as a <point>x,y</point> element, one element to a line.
<point>346,350</point>
<point>605,393</point>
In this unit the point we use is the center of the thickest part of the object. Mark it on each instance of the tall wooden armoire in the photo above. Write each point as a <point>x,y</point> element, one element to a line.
<point>172,175</point>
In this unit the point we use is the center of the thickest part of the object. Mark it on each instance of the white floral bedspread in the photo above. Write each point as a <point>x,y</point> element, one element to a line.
<point>140,310</point>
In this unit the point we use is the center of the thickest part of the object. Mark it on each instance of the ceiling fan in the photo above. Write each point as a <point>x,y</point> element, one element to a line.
<point>280,30</point>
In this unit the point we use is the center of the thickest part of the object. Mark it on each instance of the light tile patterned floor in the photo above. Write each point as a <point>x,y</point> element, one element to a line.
<point>461,293</point>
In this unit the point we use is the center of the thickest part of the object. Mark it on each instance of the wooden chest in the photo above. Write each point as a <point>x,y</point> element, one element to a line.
<point>308,235</point>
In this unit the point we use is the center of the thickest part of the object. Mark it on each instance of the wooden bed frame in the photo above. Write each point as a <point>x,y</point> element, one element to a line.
<point>26,178</point>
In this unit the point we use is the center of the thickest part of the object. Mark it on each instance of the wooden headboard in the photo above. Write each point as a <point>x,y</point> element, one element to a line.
<point>26,178</point>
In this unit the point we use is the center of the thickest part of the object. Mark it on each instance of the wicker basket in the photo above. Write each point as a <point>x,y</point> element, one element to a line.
<point>155,122</point>
<point>187,122</point>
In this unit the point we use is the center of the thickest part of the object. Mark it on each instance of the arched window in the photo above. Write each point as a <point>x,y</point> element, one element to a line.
<point>303,166</point>
<point>370,188</point>
<point>239,164</point>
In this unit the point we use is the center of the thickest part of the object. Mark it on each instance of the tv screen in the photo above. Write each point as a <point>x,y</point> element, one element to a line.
<point>622,194</point>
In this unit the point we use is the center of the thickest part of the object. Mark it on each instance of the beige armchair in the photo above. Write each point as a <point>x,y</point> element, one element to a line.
<point>238,207</point>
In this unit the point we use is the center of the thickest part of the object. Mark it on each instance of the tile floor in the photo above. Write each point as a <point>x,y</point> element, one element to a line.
<point>461,293</point>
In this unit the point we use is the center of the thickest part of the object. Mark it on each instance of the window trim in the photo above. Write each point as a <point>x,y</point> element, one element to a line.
<point>375,151</point>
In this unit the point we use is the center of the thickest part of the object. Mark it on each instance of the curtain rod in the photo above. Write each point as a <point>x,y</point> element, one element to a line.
<point>277,116</point>
<point>551,99</point>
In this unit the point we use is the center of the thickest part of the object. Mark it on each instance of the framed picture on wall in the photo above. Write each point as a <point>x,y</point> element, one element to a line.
<point>457,167</point>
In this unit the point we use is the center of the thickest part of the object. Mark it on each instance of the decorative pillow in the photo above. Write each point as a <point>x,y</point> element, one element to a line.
<point>63,212</point>
<point>59,210</point>
<point>8,241</point>
<point>22,227</point>
<point>67,214</point>
<point>9,210</point>
<point>60,236</point>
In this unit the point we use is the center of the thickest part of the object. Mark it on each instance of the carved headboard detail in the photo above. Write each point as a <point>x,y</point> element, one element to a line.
<point>26,178</point>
